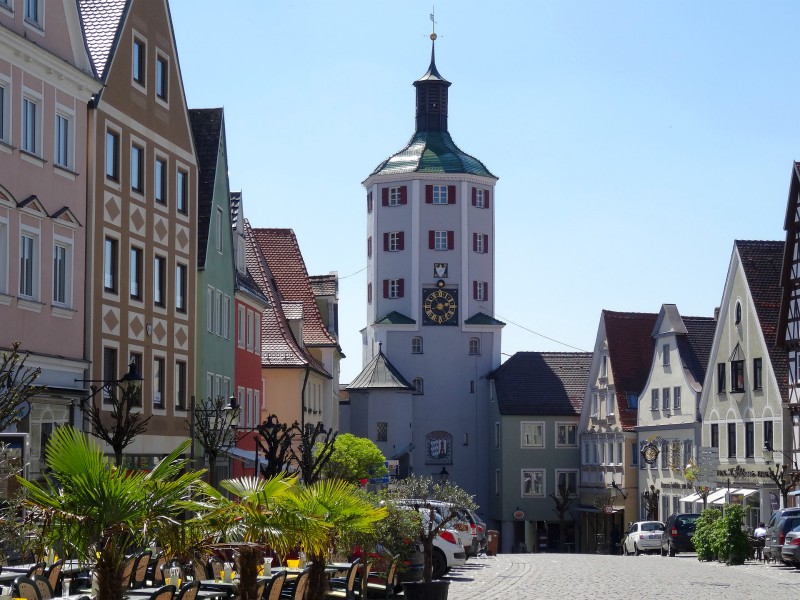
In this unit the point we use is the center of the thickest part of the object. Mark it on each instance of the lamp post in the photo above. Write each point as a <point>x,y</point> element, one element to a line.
<point>443,475</point>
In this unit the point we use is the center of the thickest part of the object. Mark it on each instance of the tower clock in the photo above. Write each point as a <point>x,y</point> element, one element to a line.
<point>439,306</point>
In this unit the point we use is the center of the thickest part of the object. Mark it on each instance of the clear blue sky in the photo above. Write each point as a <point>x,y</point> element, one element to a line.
<point>634,141</point>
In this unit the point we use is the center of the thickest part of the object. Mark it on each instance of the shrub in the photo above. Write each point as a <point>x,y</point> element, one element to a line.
<point>719,534</point>
<point>736,542</point>
<point>705,534</point>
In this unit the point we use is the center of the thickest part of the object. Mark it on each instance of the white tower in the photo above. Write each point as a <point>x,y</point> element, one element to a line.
<point>430,228</point>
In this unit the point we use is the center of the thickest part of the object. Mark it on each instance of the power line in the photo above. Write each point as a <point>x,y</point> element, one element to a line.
<point>351,274</point>
<point>528,329</point>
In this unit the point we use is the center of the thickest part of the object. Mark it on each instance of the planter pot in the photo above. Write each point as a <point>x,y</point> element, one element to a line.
<point>419,590</point>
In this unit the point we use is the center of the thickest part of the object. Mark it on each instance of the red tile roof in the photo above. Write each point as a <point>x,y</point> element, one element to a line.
<point>630,351</point>
<point>279,348</point>
<point>282,253</point>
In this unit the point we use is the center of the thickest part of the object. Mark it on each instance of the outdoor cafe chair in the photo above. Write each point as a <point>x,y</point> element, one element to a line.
<point>25,587</point>
<point>344,587</point>
<point>273,591</point>
<point>214,568</point>
<point>381,585</point>
<point>37,569</point>
<point>157,576</point>
<point>165,592</point>
<point>127,571</point>
<point>189,590</point>
<point>53,574</point>
<point>140,565</point>
<point>43,585</point>
<point>198,570</point>
<point>298,590</point>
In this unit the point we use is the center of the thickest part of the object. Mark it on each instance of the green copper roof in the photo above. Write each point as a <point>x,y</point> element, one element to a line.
<point>482,319</point>
<point>395,318</point>
<point>432,152</point>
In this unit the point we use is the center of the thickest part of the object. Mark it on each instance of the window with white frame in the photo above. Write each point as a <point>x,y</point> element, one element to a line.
<point>29,265</point>
<point>32,12</point>
<point>136,259</point>
<point>664,454</point>
<point>394,288</point>
<point>180,384</point>
<point>256,407</point>
<point>210,309</point>
<point>257,328</point>
<point>112,155</point>
<point>218,229</point>
<point>496,434</point>
<point>218,312</point>
<point>110,264</point>
<point>162,77</point>
<point>249,409</point>
<point>665,355</point>
<point>182,191</point>
<point>531,434</point>
<point>63,140</point>
<point>595,407</point>
<point>654,399</point>
<point>440,240</point>
<point>137,168</point>
<point>181,273</point>
<point>4,118</point>
<point>395,196</point>
<point>481,289</point>
<point>30,125</point>
<point>158,382</point>
<point>160,281</point>
<point>250,330</point>
<point>479,244</point>
<point>139,61</point>
<point>226,320</point>
<point>609,402</point>
<point>567,480</point>
<point>474,346</point>
<point>567,435</point>
<point>160,180</point>
<point>394,244</point>
<point>533,483</point>
<point>665,399</point>
<point>676,398</point>
<point>3,256</point>
<point>418,385</point>
<point>439,194</point>
<point>480,198</point>
<point>416,345</point>
<point>240,325</point>
<point>62,273</point>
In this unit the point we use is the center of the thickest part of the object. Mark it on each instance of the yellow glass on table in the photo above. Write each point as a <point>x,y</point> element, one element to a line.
<point>293,563</point>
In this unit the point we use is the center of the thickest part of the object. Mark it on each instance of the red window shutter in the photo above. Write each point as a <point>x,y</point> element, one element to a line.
<point>485,198</point>
<point>474,242</point>
<point>385,242</point>
<point>486,242</point>
<point>474,290</point>
<point>485,290</point>
<point>369,293</point>
<point>401,287</point>
<point>451,194</point>
<point>451,239</point>
<point>403,194</point>
<point>369,247</point>
<point>474,196</point>
<point>428,194</point>
<point>385,196</point>
<point>400,240</point>
<point>369,202</point>
<point>385,288</point>
<point>431,240</point>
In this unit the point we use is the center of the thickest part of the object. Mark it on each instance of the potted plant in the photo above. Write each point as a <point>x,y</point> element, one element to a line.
<point>438,502</point>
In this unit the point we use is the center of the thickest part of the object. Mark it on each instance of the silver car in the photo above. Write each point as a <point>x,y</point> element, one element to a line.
<point>790,551</point>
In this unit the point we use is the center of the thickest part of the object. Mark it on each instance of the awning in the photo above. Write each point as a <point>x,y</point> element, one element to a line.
<point>739,492</point>
<point>794,493</point>
<point>593,509</point>
<point>246,455</point>
<point>406,450</point>
<point>745,492</point>
<point>713,497</point>
<point>691,498</point>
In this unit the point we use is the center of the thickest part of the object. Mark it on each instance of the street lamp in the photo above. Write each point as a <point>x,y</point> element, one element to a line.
<point>443,475</point>
<point>614,486</point>
<point>769,452</point>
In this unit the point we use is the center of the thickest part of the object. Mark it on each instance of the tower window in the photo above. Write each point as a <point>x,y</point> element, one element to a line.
<point>394,196</point>
<point>382,434</point>
<point>393,288</point>
<point>474,346</point>
<point>418,385</point>
<point>440,194</point>
<point>480,198</point>
<point>416,345</point>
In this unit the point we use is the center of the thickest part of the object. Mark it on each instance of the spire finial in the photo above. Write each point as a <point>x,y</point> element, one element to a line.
<point>433,24</point>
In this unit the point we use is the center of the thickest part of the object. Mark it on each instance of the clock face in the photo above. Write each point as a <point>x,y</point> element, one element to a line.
<point>650,453</point>
<point>439,306</point>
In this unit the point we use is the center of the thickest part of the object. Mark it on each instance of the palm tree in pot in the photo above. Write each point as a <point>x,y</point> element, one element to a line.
<point>438,502</point>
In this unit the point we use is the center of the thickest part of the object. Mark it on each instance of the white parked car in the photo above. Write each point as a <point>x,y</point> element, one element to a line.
<point>643,536</point>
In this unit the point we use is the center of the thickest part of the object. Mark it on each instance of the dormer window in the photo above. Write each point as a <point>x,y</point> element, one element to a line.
<point>738,313</point>
<point>665,354</point>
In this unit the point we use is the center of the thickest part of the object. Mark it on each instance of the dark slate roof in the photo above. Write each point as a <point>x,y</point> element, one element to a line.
<point>482,319</point>
<point>542,383</point>
<point>630,350</point>
<point>207,128</point>
<point>431,152</point>
<point>323,285</point>
<point>395,318</point>
<point>282,252</point>
<point>761,262</point>
<point>695,346</point>
<point>380,374</point>
<point>100,20</point>
<point>236,208</point>
<point>245,283</point>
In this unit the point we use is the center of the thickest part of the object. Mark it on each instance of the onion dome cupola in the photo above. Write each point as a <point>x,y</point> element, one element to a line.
<point>431,149</point>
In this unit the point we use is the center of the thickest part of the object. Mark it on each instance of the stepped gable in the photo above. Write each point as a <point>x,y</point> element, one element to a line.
<point>206,130</point>
<point>542,383</point>
<point>630,349</point>
<point>761,262</point>
<point>100,20</point>
<point>278,345</point>
<point>282,253</point>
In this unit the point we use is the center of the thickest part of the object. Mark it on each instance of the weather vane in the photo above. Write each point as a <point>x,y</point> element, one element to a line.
<point>433,24</point>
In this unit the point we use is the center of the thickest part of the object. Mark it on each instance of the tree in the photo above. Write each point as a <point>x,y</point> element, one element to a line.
<point>16,386</point>
<point>354,458</point>
<point>97,512</point>
<point>785,479</point>
<point>315,450</point>
<point>426,494</point>
<point>212,430</point>
<point>563,502</point>
<point>276,443</point>
<point>121,425</point>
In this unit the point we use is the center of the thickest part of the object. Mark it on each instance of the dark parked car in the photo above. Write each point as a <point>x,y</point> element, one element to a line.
<point>773,521</point>
<point>777,535</point>
<point>678,532</point>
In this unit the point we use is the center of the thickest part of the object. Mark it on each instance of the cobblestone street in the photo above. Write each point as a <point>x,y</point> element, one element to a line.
<point>577,576</point>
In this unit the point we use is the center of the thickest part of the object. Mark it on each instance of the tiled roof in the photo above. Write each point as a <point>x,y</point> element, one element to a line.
<point>695,346</point>
<point>542,383</point>
<point>292,310</point>
<point>380,374</point>
<point>761,262</point>
<point>431,152</point>
<point>323,285</point>
<point>207,131</point>
<point>395,318</point>
<point>282,253</point>
<point>482,319</point>
<point>630,350</point>
<point>278,345</point>
<point>100,20</point>
<point>246,283</point>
